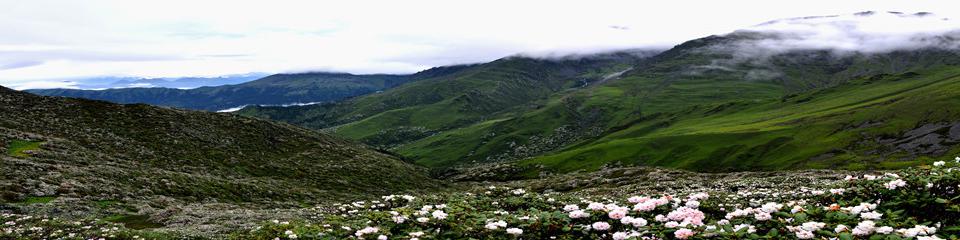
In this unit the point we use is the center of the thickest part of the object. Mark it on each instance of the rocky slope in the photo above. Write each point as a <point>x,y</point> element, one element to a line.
<point>94,150</point>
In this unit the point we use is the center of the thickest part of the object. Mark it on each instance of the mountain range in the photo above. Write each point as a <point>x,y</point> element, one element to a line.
<point>277,89</point>
<point>747,100</point>
<point>702,105</point>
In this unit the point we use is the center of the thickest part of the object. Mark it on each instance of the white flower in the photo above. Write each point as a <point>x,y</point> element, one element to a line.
<point>771,207</point>
<point>803,234</point>
<point>892,185</point>
<point>796,209</point>
<point>423,219</point>
<point>841,228</point>
<point>693,204</point>
<point>864,228</point>
<point>439,214</point>
<point>366,230</point>
<point>494,225</point>
<point>620,236</point>
<point>570,208</point>
<point>939,163</point>
<point>812,226</point>
<point>871,215</point>
<point>382,237</point>
<point>514,231</point>
<point>837,191</point>
<point>762,216</point>
<point>884,230</point>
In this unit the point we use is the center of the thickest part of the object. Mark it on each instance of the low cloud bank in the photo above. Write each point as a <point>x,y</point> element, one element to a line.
<point>863,33</point>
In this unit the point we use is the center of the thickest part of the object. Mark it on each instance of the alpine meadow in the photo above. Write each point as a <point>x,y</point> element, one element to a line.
<point>435,119</point>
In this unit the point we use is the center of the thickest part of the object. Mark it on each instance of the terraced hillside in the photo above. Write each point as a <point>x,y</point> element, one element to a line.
<point>278,89</point>
<point>63,148</point>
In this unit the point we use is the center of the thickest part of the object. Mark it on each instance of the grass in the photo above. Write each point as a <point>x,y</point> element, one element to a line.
<point>748,127</point>
<point>776,134</point>
<point>137,222</point>
<point>37,200</point>
<point>18,148</point>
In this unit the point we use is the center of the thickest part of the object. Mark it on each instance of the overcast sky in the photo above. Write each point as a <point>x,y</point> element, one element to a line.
<point>46,41</point>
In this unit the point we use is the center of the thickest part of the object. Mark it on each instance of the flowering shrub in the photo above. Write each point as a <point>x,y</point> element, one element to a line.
<point>16,226</point>
<point>917,203</point>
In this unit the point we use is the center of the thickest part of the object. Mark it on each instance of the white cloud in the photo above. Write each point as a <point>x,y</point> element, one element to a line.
<point>46,39</point>
<point>867,32</point>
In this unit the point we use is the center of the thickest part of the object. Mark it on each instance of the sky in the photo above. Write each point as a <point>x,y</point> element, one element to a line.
<point>45,43</point>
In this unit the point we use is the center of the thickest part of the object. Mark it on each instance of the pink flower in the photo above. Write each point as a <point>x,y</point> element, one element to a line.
<point>578,214</point>
<point>645,206</point>
<point>636,199</point>
<point>596,206</point>
<point>687,214</point>
<point>617,214</point>
<point>683,233</point>
<point>601,226</point>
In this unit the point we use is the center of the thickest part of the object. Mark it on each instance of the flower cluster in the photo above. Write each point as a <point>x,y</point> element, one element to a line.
<point>915,203</point>
<point>862,206</point>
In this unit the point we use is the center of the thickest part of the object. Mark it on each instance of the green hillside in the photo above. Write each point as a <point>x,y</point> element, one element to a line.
<point>572,128</point>
<point>431,106</point>
<point>879,121</point>
<point>710,104</point>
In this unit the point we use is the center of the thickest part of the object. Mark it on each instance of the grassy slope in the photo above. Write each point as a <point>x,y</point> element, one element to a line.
<point>649,116</point>
<point>779,134</point>
<point>665,94</point>
<point>109,151</point>
<point>426,107</point>
<point>17,148</point>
